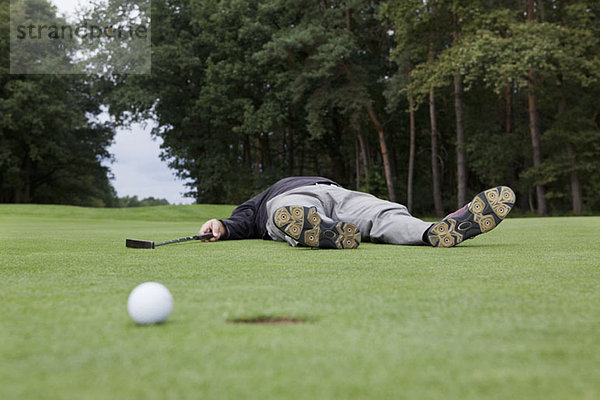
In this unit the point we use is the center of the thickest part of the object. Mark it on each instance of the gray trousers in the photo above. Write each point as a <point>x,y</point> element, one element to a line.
<point>379,221</point>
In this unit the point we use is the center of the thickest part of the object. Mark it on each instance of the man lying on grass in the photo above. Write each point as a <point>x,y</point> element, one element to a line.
<point>317,212</point>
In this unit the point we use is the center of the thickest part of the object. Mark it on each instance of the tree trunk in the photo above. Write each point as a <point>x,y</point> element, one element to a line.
<point>247,157</point>
<point>23,193</point>
<point>435,172</point>
<point>461,164</point>
<point>364,154</point>
<point>411,155</point>
<point>508,108</point>
<point>302,157</point>
<point>530,8</point>
<point>511,174</point>
<point>337,160</point>
<point>387,166</point>
<point>357,163</point>
<point>364,157</point>
<point>534,130</point>
<point>266,150</point>
<point>576,198</point>
<point>291,151</point>
<point>541,10</point>
<point>257,164</point>
<point>347,17</point>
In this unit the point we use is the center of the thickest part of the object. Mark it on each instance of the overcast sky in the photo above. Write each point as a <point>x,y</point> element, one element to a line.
<point>138,169</point>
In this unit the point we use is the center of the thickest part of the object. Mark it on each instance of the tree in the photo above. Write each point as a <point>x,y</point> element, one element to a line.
<point>509,45</point>
<point>50,150</point>
<point>335,57</point>
<point>419,29</point>
<point>534,124</point>
<point>133,201</point>
<point>250,91</point>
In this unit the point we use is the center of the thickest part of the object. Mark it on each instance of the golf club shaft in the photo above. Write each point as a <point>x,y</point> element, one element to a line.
<point>185,239</point>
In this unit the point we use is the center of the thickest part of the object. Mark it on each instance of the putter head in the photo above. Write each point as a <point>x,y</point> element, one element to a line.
<point>139,244</point>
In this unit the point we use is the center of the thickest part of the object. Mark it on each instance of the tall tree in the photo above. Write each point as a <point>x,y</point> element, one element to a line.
<point>504,45</point>
<point>417,26</point>
<point>411,154</point>
<point>533,10</point>
<point>461,164</point>
<point>435,168</point>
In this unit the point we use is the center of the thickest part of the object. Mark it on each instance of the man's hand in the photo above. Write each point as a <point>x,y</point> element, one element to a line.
<point>216,227</point>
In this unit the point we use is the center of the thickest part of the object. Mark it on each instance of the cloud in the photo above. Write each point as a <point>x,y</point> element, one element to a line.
<point>138,169</point>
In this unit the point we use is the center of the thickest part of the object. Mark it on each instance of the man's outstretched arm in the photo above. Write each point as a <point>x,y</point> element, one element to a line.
<point>216,227</point>
<point>240,225</point>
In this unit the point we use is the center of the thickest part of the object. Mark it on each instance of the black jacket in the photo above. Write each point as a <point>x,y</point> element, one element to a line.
<point>248,221</point>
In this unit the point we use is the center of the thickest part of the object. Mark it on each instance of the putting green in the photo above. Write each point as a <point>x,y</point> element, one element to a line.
<point>510,314</point>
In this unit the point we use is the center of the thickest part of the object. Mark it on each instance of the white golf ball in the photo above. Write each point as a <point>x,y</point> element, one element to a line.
<point>149,303</point>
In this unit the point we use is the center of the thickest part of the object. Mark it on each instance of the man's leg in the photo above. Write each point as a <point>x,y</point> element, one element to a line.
<point>481,215</point>
<point>379,221</point>
<point>383,221</point>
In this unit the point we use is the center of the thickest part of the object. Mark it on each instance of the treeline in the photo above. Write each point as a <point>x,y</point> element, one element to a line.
<point>422,102</point>
<point>133,201</point>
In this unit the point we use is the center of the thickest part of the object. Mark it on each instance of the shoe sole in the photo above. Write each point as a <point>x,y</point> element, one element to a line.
<point>484,213</point>
<point>306,226</point>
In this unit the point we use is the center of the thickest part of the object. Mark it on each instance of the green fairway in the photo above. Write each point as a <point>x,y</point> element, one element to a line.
<point>511,314</point>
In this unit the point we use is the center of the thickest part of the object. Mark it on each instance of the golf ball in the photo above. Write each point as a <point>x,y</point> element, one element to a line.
<point>149,303</point>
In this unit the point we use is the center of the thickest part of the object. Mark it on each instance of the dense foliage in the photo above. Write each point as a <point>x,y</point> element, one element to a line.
<point>422,102</point>
<point>499,92</point>
<point>133,201</point>
<point>51,151</point>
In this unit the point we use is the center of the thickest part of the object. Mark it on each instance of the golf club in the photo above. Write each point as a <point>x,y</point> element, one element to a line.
<point>149,244</point>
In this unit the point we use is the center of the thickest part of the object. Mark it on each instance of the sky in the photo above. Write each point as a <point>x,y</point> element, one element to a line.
<point>65,6</point>
<point>138,169</point>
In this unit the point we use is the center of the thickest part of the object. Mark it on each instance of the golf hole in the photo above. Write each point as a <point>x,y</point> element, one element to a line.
<point>268,320</point>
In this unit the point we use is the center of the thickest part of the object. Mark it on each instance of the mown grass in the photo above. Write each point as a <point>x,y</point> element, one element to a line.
<point>511,314</point>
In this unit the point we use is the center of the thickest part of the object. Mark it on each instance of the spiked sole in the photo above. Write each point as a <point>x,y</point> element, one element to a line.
<point>306,226</point>
<point>482,215</point>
